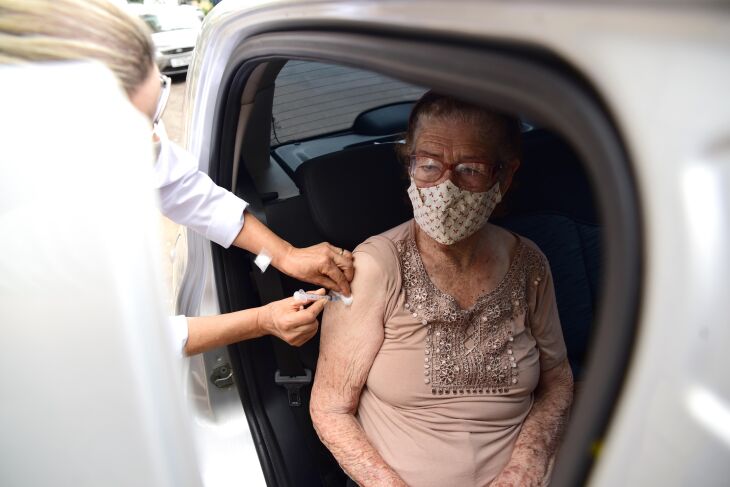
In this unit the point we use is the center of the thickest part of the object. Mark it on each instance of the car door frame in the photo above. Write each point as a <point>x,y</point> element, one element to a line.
<point>513,77</point>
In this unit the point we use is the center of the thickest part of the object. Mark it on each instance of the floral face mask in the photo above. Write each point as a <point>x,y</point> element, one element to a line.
<point>449,214</point>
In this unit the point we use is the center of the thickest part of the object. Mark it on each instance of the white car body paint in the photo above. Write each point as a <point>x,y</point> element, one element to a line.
<point>662,72</point>
<point>91,386</point>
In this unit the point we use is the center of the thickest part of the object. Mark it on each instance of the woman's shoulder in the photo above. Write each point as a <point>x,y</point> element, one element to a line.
<point>398,233</point>
<point>528,254</point>
<point>385,244</point>
<point>515,240</point>
<point>377,263</point>
<point>379,253</point>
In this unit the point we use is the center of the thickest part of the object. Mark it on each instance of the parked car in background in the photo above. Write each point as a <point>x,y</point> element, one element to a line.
<point>175,31</point>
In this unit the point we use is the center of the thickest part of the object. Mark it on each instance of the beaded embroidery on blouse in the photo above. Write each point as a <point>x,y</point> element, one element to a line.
<point>469,351</point>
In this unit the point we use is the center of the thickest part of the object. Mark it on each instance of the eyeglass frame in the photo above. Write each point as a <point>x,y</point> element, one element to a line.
<point>166,82</point>
<point>446,166</point>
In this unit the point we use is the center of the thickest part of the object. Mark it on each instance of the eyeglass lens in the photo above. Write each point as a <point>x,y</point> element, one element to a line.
<point>470,175</point>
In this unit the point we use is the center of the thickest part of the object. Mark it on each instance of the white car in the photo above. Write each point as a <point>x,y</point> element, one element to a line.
<point>624,184</point>
<point>175,30</point>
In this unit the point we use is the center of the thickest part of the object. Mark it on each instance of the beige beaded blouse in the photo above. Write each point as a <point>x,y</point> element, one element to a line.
<point>449,388</point>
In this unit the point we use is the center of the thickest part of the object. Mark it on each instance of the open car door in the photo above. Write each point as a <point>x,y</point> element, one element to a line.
<point>91,384</point>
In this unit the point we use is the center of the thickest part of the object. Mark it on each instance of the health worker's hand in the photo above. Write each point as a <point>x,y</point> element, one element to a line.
<point>322,264</point>
<point>292,320</point>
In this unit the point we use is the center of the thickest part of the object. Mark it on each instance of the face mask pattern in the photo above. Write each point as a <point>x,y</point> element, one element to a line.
<point>448,213</point>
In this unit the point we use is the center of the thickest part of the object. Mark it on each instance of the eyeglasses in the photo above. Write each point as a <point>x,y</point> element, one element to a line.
<point>474,176</point>
<point>162,100</point>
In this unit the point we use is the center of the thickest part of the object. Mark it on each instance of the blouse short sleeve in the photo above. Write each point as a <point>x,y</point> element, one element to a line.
<point>382,253</point>
<point>544,319</point>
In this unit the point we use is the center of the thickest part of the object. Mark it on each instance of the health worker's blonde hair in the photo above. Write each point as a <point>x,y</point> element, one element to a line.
<point>68,30</point>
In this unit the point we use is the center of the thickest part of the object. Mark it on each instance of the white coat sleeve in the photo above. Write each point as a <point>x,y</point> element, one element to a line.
<point>189,197</point>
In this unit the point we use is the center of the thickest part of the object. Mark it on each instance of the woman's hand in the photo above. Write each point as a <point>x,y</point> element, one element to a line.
<point>322,264</point>
<point>290,319</point>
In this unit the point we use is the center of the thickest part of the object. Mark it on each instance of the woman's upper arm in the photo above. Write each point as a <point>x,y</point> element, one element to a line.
<point>350,339</point>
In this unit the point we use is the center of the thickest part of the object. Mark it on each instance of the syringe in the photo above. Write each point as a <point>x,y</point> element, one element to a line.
<point>301,295</point>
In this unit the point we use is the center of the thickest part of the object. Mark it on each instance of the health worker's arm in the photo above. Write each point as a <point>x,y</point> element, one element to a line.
<point>321,264</point>
<point>292,320</point>
<point>189,197</point>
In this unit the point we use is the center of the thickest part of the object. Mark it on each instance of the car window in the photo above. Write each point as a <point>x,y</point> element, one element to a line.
<point>313,99</point>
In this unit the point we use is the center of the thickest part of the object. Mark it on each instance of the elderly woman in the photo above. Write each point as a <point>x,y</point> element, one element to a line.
<point>449,368</point>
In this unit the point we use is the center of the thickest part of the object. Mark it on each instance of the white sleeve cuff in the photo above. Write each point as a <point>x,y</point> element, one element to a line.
<point>227,220</point>
<point>179,334</point>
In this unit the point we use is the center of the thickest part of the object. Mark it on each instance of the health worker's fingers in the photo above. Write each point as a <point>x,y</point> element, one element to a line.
<point>335,250</point>
<point>346,264</point>
<point>325,282</point>
<point>305,335</point>
<point>315,309</point>
<point>342,285</point>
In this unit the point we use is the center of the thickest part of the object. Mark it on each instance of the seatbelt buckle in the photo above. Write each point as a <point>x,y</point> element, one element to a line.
<point>293,385</point>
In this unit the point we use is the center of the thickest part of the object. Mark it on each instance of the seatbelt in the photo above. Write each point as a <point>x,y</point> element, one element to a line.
<point>290,374</point>
<point>294,377</point>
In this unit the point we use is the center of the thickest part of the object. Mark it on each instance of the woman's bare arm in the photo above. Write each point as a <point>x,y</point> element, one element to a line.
<point>540,435</point>
<point>351,338</point>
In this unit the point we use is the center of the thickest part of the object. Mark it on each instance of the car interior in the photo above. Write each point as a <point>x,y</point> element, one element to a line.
<point>328,171</point>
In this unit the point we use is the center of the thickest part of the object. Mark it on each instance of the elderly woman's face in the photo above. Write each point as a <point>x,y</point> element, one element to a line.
<point>448,149</point>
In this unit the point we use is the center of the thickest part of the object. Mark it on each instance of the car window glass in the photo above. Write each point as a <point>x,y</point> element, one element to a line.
<point>313,99</point>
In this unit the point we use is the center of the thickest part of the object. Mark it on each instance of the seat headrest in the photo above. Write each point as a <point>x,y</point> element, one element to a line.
<point>551,178</point>
<point>355,193</point>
